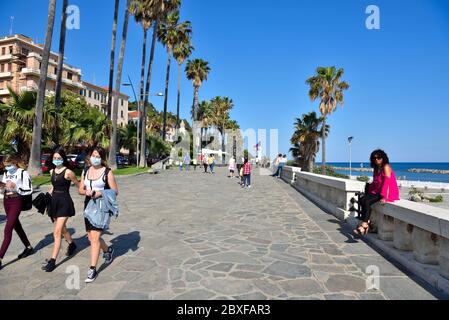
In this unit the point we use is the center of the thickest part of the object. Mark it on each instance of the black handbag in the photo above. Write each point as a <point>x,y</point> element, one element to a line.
<point>27,200</point>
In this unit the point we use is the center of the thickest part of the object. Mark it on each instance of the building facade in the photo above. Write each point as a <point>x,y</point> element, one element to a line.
<point>20,63</point>
<point>97,96</point>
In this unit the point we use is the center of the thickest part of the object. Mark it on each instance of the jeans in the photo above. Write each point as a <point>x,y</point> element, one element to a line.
<point>187,167</point>
<point>205,167</point>
<point>247,180</point>
<point>366,202</point>
<point>212,165</point>
<point>13,208</point>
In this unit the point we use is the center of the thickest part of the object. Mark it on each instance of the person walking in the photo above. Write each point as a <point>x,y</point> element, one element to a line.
<point>211,162</point>
<point>95,180</point>
<point>61,207</point>
<point>187,161</point>
<point>277,162</point>
<point>205,162</point>
<point>247,168</point>
<point>384,189</point>
<point>231,167</point>
<point>195,164</point>
<point>16,182</point>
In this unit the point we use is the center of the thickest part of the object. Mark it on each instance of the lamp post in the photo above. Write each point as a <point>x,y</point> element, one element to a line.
<point>350,156</point>
<point>130,84</point>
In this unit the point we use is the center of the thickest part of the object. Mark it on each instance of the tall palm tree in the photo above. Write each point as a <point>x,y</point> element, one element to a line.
<point>159,10</point>
<point>118,81</point>
<point>221,108</point>
<point>92,128</point>
<point>58,88</point>
<point>141,10</point>
<point>197,71</point>
<point>181,52</point>
<point>128,138</point>
<point>170,33</point>
<point>328,87</point>
<point>35,163</point>
<point>305,138</point>
<point>112,62</point>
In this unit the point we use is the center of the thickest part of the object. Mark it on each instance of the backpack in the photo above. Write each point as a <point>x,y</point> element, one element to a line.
<point>27,200</point>
<point>105,177</point>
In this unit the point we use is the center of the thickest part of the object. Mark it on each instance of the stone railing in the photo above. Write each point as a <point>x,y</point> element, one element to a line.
<point>332,194</point>
<point>418,228</point>
<point>415,234</point>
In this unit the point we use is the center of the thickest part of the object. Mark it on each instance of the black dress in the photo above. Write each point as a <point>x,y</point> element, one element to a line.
<point>61,202</point>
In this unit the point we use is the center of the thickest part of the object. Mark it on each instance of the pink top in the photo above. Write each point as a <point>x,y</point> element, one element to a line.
<point>386,187</point>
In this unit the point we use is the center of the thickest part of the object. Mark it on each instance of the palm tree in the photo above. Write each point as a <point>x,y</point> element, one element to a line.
<point>128,139</point>
<point>305,138</point>
<point>170,33</point>
<point>92,128</point>
<point>113,139</point>
<point>181,52</point>
<point>197,71</point>
<point>221,108</point>
<point>58,88</point>
<point>35,163</point>
<point>159,10</point>
<point>112,60</point>
<point>142,14</point>
<point>328,87</point>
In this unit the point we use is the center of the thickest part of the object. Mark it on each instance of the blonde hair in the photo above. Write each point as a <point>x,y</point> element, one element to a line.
<point>15,160</point>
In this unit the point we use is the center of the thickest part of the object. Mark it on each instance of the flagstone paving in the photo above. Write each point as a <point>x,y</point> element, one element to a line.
<point>190,235</point>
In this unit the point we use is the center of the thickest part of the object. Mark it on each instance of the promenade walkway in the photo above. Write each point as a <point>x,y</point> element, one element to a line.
<point>188,235</point>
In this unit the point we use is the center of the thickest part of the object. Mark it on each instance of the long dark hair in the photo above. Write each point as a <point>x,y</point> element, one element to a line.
<point>102,154</point>
<point>61,152</point>
<point>245,161</point>
<point>378,153</point>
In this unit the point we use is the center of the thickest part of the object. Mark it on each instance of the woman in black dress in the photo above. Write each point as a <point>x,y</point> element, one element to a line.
<point>62,207</point>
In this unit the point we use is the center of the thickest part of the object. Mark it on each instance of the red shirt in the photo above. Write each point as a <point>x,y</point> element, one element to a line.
<point>247,168</point>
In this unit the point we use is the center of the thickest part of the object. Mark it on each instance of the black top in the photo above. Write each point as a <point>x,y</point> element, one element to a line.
<point>59,182</point>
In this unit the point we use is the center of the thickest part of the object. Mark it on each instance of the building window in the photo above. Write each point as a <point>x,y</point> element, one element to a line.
<point>25,51</point>
<point>10,49</point>
<point>9,67</point>
<point>69,76</point>
<point>121,113</point>
<point>2,67</point>
<point>90,94</point>
<point>3,51</point>
<point>121,101</point>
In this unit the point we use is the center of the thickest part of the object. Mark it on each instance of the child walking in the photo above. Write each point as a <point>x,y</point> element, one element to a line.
<point>247,168</point>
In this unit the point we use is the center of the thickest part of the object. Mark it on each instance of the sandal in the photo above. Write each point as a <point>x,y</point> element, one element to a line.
<point>362,230</point>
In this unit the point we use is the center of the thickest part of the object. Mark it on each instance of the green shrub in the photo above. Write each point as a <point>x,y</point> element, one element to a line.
<point>330,171</point>
<point>363,179</point>
<point>438,198</point>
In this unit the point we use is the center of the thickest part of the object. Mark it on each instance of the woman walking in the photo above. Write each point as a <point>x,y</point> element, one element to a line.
<point>62,207</point>
<point>211,162</point>
<point>384,188</point>
<point>94,181</point>
<point>16,183</point>
<point>247,168</point>
<point>231,167</point>
<point>205,162</point>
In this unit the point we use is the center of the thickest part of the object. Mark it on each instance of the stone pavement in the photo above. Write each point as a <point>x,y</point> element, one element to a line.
<point>192,235</point>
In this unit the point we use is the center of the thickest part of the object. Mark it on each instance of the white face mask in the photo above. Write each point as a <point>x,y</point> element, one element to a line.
<point>95,161</point>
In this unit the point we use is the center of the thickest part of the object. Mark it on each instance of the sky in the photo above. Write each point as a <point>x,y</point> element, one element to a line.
<point>262,51</point>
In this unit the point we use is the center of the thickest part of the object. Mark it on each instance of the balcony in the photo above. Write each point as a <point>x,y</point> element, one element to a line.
<point>5,74</point>
<point>37,72</point>
<point>4,92</point>
<point>6,57</point>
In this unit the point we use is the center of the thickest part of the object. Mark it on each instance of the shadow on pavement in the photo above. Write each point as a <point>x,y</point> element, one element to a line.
<point>122,244</point>
<point>2,218</point>
<point>81,244</point>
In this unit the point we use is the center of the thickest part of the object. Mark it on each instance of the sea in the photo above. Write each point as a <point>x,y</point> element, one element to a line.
<point>401,170</point>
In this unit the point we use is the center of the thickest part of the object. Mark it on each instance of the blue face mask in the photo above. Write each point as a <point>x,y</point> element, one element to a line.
<point>95,161</point>
<point>11,169</point>
<point>58,162</point>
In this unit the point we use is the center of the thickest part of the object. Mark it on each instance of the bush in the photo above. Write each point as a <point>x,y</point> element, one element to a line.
<point>330,172</point>
<point>438,198</point>
<point>363,179</point>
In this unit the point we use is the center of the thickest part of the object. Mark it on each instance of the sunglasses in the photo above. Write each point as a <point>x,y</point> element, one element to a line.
<point>377,158</point>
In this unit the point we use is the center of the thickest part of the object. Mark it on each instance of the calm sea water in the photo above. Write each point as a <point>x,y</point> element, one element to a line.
<point>400,169</point>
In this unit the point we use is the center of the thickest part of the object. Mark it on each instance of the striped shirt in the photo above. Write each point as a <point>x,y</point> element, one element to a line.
<point>247,168</point>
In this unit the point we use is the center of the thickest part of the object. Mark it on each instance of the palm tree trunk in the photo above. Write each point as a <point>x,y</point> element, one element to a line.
<point>143,141</point>
<point>35,162</point>
<point>59,73</point>
<point>179,98</point>
<point>167,80</point>
<point>223,144</point>
<point>112,64</point>
<point>195,103</point>
<point>323,146</point>
<point>113,139</point>
<point>142,89</point>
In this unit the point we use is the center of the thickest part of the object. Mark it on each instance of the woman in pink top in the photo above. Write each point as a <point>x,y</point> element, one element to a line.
<point>384,188</point>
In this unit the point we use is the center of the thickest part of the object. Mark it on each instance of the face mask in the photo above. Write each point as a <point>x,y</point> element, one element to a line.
<point>95,161</point>
<point>58,162</point>
<point>11,169</point>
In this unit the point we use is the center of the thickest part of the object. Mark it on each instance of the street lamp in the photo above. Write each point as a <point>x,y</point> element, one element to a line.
<point>159,94</point>
<point>350,156</point>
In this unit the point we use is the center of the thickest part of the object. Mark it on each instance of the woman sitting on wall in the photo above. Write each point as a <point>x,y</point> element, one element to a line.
<point>384,188</point>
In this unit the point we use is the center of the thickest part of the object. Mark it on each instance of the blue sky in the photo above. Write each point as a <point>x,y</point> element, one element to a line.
<point>261,53</point>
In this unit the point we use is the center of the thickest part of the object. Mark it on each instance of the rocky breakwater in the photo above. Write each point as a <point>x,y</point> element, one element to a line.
<point>434,171</point>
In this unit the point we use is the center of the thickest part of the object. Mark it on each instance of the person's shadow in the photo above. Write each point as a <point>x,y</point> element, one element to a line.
<point>122,244</point>
<point>2,218</point>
